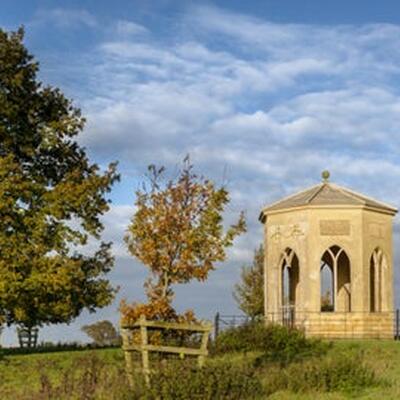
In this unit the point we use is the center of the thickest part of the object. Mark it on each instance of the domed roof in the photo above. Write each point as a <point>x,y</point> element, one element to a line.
<point>327,194</point>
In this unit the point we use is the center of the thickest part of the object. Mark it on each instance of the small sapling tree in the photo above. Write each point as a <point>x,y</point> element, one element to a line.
<point>249,292</point>
<point>177,232</point>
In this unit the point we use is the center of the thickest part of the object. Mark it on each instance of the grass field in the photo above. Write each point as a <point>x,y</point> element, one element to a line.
<point>383,356</point>
<point>82,373</point>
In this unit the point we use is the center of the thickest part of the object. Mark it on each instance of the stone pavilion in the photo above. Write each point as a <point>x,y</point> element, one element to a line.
<point>329,263</point>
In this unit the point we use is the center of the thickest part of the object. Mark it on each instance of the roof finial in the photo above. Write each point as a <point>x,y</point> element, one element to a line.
<point>325,176</point>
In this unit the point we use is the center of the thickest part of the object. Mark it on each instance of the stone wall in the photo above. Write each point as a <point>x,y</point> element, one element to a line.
<point>348,325</point>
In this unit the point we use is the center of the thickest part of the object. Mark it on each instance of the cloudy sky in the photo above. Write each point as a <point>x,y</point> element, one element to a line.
<point>262,94</point>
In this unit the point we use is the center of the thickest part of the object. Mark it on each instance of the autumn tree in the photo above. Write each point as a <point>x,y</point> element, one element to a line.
<point>103,333</point>
<point>177,232</point>
<point>51,199</point>
<point>249,292</point>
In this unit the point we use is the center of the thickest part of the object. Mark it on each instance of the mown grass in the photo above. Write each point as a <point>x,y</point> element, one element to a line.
<point>82,373</point>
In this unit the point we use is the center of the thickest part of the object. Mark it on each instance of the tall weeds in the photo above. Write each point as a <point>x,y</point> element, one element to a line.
<point>87,378</point>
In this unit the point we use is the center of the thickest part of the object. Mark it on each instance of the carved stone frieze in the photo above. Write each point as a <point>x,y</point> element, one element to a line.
<point>278,232</point>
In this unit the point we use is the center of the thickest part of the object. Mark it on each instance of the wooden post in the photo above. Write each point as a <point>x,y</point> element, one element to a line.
<point>203,347</point>
<point>145,352</point>
<point>216,326</point>
<point>128,357</point>
<point>397,337</point>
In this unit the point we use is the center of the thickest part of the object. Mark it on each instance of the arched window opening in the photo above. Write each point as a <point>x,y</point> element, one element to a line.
<point>376,267</point>
<point>327,289</point>
<point>286,300</point>
<point>335,280</point>
<point>290,278</point>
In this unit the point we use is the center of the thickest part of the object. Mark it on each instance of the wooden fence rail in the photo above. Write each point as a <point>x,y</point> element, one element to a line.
<point>142,325</point>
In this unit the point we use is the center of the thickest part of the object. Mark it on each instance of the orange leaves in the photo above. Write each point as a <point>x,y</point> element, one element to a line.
<point>177,228</point>
<point>156,310</point>
<point>177,232</point>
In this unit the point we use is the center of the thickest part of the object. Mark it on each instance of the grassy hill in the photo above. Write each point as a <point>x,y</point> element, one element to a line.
<point>382,356</point>
<point>99,374</point>
<point>69,373</point>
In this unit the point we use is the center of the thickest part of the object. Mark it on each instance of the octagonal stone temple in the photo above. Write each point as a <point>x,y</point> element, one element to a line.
<point>329,263</point>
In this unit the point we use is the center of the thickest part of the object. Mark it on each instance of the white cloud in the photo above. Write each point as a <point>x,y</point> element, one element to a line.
<point>64,18</point>
<point>116,223</point>
<point>273,105</point>
<point>248,30</point>
<point>128,28</point>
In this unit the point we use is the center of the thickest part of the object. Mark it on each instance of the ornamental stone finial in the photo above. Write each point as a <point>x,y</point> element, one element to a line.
<point>325,175</point>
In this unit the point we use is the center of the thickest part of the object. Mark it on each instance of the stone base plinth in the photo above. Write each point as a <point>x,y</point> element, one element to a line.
<point>349,325</point>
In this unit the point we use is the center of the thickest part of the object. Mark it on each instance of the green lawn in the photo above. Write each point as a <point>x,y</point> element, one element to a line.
<point>383,356</point>
<point>35,376</point>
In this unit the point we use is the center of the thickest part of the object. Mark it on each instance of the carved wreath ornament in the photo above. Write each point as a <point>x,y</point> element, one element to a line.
<point>286,232</point>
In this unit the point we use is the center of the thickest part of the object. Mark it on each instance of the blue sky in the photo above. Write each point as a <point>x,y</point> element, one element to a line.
<point>264,93</point>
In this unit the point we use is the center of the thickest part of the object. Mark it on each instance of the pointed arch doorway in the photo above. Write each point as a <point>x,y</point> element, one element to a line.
<point>335,281</point>
<point>290,277</point>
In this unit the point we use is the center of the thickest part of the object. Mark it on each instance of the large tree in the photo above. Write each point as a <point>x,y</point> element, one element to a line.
<point>249,292</point>
<point>177,232</point>
<point>51,199</point>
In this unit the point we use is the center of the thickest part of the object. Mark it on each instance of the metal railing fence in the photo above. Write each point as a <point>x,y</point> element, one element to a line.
<point>347,324</point>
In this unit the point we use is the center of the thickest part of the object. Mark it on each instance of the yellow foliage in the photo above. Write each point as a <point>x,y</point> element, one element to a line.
<point>177,232</point>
